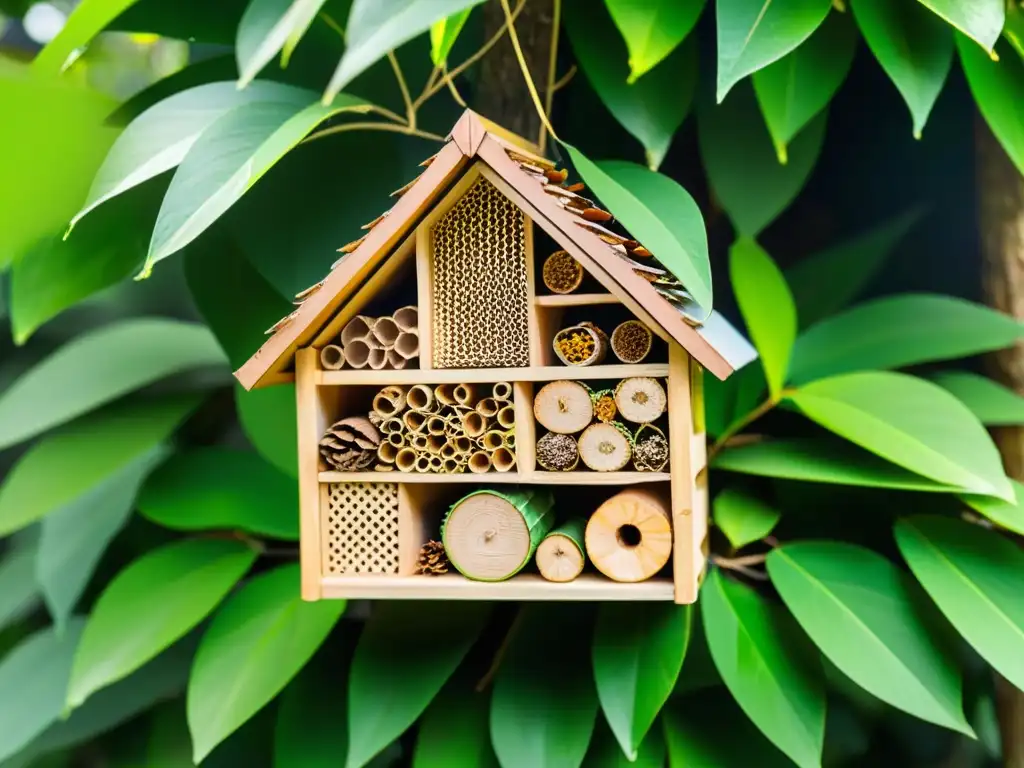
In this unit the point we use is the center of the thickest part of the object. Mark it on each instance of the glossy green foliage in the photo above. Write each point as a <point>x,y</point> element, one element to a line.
<point>443,35</point>
<point>875,624</point>
<point>992,403</point>
<point>998,89</point>
<point>1008,514</point>
<point>637,654</point>
<point>981,20</point>
<point>454,729</point>
<point>652,30</point>
<point>743,517</point>
<point>267,28</point>
<point>768,665</point>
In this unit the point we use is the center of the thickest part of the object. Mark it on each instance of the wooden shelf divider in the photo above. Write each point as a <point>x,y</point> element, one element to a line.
<point>489,375</point>
<point>576,299</point>
<point>489,478</point>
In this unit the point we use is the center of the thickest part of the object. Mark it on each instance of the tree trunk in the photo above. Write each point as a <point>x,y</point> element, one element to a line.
<point>502,94</point>
<point>1001,222</point>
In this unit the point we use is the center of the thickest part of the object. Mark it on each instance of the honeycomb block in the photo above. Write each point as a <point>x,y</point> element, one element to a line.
<point>360,528</point>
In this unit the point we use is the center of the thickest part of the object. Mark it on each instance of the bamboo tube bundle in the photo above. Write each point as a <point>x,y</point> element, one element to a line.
<point>490,536</point>
<point>422,464</point>
<point>445,394</point>
<point>581,345</point>
<point>467,395</point>
<point>358,328</point>
<point>629,537</point>
<point>332,357</point>
<point>407,319</point>
<point>387,453</point>
<point>564,407</point>
<point>492,440</point>
<point>557,452</point>
<point>350,444</point>
<point>357,353</point>
<point>395,360</point>
<point>405,460</point>
<point>436,425</point>
<point>414,421</point>
<point>378,359</point>
<point>418,442</point>
<point>650,449</point>
<point>560,556</point>
<point>480,462</point>
<point>474,425</point>
<point>561,273</point>
<point>631,341</point>
<point>640,399</point>
<point>605,447</point>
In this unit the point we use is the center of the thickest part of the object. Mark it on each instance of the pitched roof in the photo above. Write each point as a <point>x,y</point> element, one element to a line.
<point>532,182</point>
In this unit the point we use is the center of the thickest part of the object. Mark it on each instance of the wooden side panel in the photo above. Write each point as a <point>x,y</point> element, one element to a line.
<point>680,424</point>
<point>424,294</point>
<point>699,468</point>
<point>526,430</point>
<point>312,417</point>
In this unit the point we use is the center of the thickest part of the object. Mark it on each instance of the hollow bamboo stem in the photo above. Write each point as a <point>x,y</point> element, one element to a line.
<point>332,357</point>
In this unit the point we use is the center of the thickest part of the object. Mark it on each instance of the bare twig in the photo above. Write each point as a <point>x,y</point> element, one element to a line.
<point>410,109</point>
<point>549,92</point>
<point>452,89</point>
<point>742,422</point>
<point>739,567</point>
<point>532,86</point>
<point>564,79</point>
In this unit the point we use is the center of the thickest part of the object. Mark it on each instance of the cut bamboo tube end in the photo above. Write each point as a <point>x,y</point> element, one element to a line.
<point>387,453</point>
<point>332,357</point>
<point>422,462</point>
<point>466,394</point>
<point>396,361</point>
<point>420,398</point>
<point>378,359</point>
<point>390,401</point>
<point>357,353</point>
<point>414,421</point>
<point>407,345</point>
<point>407,319</point>
<point>405,460</point>
<point>560,556</point>
<point>493,440</point>
<point>473,424</point>
<point>503,460</point>
<point>445,394</point>
<point>561,273</point>
<point>386,331</point>
<point>436,425</point>
<point>631,341</point>
<point>502,392</point>
<point>490,536</point>
<point>357,329</point>
<point>605,448</point>
<point>640,399</point>
<point>487,407</point>
<point>507,417</point>
<point>629,537</point>
<point>480,462</point>
<point>564,407</point>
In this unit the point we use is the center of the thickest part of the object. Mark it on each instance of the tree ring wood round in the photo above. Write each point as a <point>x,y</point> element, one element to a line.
<point>629,537</point>
<point>564,407</point>
<point>640,399</point>
<point>559,558</point>
<point>486,537</point>
<point>604,448</point>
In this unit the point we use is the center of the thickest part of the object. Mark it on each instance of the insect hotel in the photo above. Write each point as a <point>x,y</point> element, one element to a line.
<point>499,396</point>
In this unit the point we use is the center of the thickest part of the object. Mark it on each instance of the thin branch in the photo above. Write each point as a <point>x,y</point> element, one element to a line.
<point>564,79</point>
<point>741,423</point>
<point>738,562</point>
<point>391,127</point>
<point>750,573</point>
<point>514,38</point>
<point>410,110</point>
<point>452,89</point>
<point>330,22</point>
<point>432,88</point>
<point>549,93</point>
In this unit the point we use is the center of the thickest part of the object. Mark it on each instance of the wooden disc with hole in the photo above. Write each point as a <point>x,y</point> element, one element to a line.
<point>604,448</point>
<point>629,537</point>
<point>560,556</point>
<point>564,407</point>
<point>490,536</point>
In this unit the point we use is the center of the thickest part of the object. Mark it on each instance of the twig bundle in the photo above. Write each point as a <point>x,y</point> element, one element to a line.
<point>378,342</point>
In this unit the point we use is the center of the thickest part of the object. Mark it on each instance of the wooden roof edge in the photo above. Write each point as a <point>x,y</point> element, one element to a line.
<point>260,369</point>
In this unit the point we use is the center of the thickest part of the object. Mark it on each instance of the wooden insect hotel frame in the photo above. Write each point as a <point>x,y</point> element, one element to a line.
<point>498,396</point>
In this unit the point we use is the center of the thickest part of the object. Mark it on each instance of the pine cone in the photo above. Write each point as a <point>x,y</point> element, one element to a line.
<point>350,444</point>
<point>433,560</point>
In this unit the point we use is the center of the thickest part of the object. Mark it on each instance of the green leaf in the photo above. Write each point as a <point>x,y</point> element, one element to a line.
<point>767,306</point>
<point>74,537</point>
<point>443,35</point>
<point>981,20</point>
<point>637,653</point>
<point>267,416</point>
<point>235,300</point>
<point>652,108</point>
<point>754,33</point>
<point>657,212</point>
<point>875,624</point>
<point>374,28</point>
<point>150,604</point>
<point>743,518</point>
<point>160,138</point>
<point>992,403</point>
<point>104,364</point>
<point>88,19</point>
<point>847,268</point>
<point>453,730</point>
<point>801,84</point>
<point>976,577</point>
<point>269,27</point>
<point>213,488</point>
<point>897,331</point>
<point>19,592</point>
<point>741,165</point>
<point>311,722</point>
<point>396,673</point>
<point>1013,31</point>
<point>544,705</point>
<point>85,455</point>
<point>160,679</point>
<point>34,677</point>
<point>652,30</point>
<point>258,641</point>
<point>1008,515</point>
<point>710,731</point>
<point>768,665</point>
<point>822,461</point>
<point>912,423</point>
<point>605,751</point>
<point>914,48</point>
<point>226,160</point>
<point>998,89</point>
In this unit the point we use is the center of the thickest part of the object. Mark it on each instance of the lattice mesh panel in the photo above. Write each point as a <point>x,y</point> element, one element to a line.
<point>360,528</point>
<point>480,296</point>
